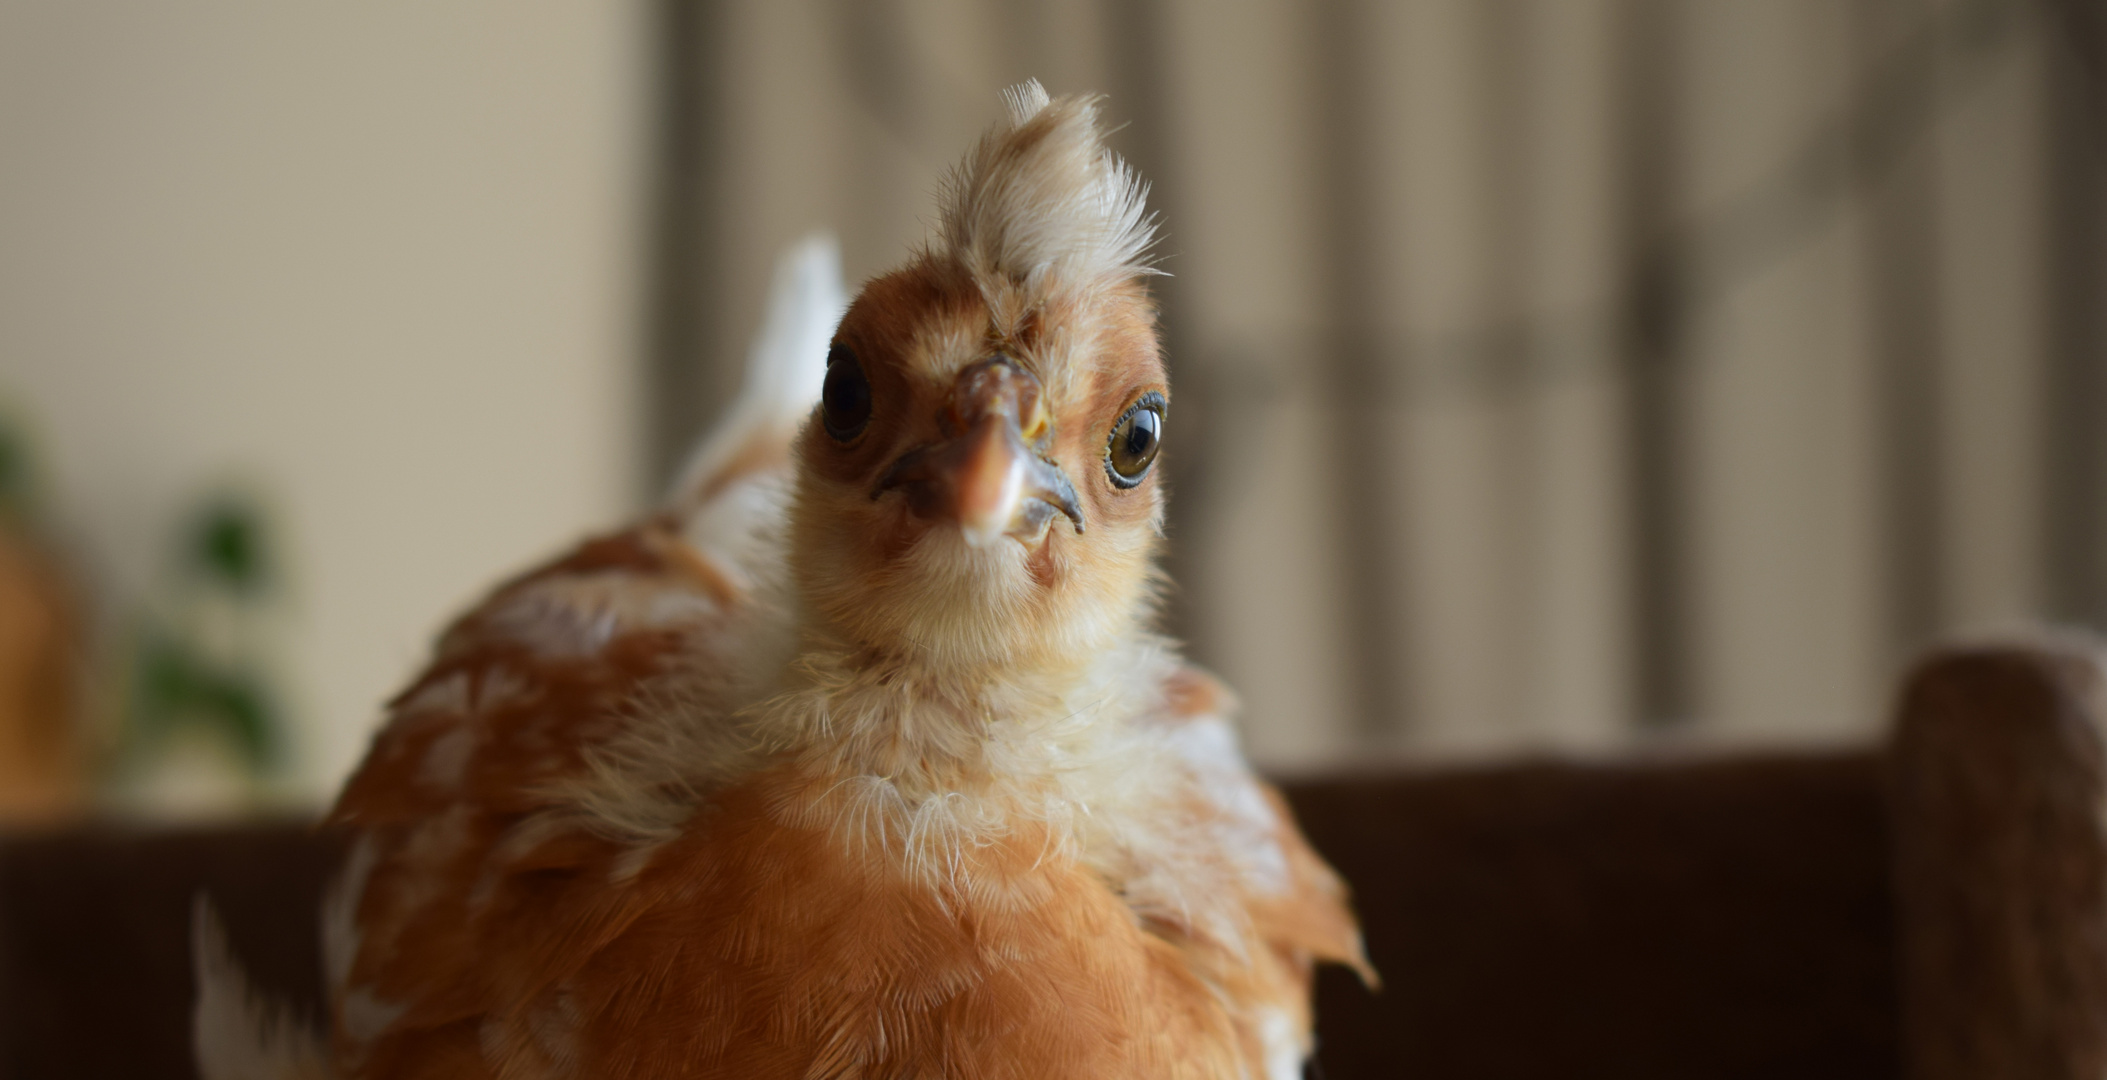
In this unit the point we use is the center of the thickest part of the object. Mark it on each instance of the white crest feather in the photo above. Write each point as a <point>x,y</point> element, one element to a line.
<point>1040,203</point>
<point>1025,101</point>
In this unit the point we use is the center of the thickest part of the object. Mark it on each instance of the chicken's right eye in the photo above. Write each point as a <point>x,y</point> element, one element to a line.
<point>845,402</point>
<point>1135,437</point>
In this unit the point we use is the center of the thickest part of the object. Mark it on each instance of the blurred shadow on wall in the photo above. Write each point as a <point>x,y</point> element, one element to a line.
<point>1549,375</point>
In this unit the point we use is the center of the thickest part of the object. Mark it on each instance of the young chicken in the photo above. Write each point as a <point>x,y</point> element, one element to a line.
<point>860,759</point>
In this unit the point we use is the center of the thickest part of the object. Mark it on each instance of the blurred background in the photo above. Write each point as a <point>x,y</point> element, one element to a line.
<point>1568,376</point>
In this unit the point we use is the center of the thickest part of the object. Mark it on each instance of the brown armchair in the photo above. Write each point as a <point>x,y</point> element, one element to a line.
<point>1933,909</point>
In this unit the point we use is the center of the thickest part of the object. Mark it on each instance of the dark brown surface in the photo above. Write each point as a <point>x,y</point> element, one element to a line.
<point>1718,920</point>
<point>1711,920</point>
<point>2001,855</point>
<point>95,977</point>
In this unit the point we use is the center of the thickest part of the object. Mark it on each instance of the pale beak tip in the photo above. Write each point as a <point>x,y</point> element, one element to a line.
<point>989,492</point>
<point>979,534</point>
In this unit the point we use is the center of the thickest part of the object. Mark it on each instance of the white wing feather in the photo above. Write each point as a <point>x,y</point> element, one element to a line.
<point>238,1035</point>
<point>785,367</point>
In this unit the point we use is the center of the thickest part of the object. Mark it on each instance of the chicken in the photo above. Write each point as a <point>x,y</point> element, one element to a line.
<point>860,758</point>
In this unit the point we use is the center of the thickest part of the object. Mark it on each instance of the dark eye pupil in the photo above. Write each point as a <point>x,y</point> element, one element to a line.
<point>1133,447</point>
<point>1141,435</point>
<point>845,400</point>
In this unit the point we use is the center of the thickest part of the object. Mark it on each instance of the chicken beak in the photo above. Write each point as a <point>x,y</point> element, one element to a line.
<point>988,482</point>
<point>991,478</point>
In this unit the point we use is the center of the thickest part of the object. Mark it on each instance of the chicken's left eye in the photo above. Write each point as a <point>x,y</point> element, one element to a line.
<point>845,400</point>
<point>1135,438</point>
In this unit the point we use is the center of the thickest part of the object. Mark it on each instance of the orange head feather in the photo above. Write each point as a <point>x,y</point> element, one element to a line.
<point>976,489</point>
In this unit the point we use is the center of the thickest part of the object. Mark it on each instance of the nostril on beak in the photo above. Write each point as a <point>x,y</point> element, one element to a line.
<point>997,384</point>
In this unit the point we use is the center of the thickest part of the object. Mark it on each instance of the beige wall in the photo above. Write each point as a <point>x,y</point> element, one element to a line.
<point>379,260</point>
<point>384,260</point>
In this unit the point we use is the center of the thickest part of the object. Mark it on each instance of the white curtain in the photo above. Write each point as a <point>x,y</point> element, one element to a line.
<point>1548,374</point>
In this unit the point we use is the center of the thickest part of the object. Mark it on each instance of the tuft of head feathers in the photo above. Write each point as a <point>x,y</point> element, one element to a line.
<point>1040,205</point>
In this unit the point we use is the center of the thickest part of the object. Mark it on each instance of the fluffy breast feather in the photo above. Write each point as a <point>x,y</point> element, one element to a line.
<point>507,906</point>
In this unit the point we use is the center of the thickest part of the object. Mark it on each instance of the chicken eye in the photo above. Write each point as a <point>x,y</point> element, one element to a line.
<point>1135,438</point>
<point>845,401</point>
